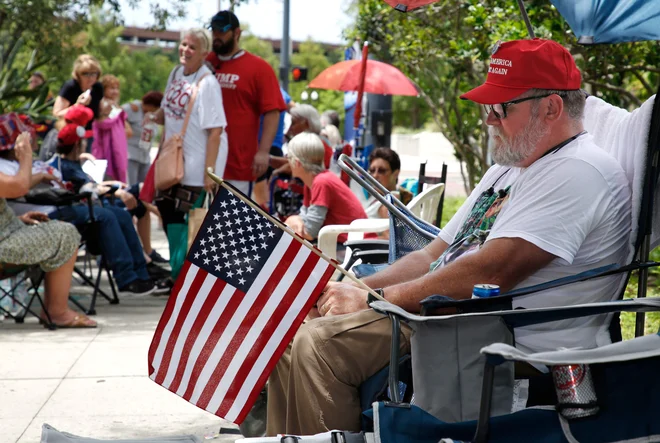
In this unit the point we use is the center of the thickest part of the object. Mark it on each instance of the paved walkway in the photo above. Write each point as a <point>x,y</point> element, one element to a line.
<point>93,382</point>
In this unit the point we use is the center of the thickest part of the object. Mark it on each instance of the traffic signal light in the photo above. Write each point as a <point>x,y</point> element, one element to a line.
<point>299,74</point>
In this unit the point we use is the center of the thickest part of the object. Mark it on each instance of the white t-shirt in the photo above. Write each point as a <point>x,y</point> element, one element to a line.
<point>11,168</point>
<point>574,203</point>
<point>208,112</point>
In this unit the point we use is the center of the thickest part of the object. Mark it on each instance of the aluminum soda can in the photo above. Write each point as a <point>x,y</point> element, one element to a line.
<point>485,290</point>
<point>576,395</point>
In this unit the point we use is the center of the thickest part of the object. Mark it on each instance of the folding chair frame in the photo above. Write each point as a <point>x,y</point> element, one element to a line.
<point>27,308</point>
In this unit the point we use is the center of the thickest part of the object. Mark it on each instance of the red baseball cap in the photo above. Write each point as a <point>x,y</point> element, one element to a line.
<point>71,133</point>
<point>520,65</point>
<point>80,115</point>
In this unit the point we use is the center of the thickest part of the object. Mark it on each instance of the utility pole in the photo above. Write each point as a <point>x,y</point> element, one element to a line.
<point>284,48</point>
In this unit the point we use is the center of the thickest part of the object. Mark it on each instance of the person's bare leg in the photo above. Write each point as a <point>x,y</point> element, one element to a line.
<point>260,193</point>
<point>57,287</point>
<point>144,232</point>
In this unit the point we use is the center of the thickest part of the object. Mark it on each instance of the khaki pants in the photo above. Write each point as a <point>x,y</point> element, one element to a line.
<point>314,387</point>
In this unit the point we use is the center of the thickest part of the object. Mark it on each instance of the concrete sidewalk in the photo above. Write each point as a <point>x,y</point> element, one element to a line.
<point>93,382</point>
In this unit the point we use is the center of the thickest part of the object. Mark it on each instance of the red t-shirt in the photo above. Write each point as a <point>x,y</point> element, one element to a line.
<point>329,152</point>
<point>343,206</point>
<point>249,89</point>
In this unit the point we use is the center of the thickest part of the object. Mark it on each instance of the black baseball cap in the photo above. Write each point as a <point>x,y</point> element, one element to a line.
<point>224,21</point>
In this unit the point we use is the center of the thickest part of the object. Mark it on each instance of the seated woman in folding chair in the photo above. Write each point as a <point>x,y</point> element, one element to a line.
<point>330,202</point>
<point>34,240</point>
<point>119,242</point>
<point>384,166</point>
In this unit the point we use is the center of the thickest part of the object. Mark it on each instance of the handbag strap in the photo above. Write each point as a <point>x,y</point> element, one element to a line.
<point>191,103</point>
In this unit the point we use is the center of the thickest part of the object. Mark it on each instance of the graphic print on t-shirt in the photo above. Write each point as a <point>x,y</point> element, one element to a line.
<point>176,98</point>
<point>477,225</point>
<point>227,80</point>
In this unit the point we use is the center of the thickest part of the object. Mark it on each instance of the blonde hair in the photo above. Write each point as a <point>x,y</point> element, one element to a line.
<point>200,34</point>
<point>308,149</point>
<point>85,62</point>
<point>109,80</point>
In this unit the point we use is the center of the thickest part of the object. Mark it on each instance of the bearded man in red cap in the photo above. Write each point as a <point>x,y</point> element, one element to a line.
<point>553,205</point>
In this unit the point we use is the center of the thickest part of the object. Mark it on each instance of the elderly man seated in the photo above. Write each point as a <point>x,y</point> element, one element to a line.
<point>554,204</point>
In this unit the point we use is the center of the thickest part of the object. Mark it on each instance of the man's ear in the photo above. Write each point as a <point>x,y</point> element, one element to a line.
<point>555,108</point>
<point>237,33</point>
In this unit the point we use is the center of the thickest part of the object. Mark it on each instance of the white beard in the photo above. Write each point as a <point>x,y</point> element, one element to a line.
<point>513,151</point>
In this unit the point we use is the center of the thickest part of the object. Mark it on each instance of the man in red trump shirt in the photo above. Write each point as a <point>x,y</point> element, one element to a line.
<point>249,90</point>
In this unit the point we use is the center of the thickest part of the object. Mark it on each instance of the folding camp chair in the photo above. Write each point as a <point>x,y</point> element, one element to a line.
<point>91,245</point>
<point>34,276</point>
<point>423,206</point>
<point>479,407</point>
<point>408,232</point>
<point>89,233</point>
<point>617,131</point>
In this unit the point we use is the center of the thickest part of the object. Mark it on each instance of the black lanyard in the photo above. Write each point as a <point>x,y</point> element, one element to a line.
<point>552,150</point>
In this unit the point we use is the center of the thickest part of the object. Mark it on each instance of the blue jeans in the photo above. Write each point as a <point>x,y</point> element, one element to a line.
<point>120,243</point>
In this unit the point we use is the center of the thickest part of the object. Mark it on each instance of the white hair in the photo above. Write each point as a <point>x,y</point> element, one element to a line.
<point>202,35</point>
<point>332,134</point>
<point>308,149</point>
<point>309,113</point>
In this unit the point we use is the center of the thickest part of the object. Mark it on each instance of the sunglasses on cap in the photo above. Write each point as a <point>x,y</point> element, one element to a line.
<point>381,171</point>
<point>221,28</point>
<point>499,110</point>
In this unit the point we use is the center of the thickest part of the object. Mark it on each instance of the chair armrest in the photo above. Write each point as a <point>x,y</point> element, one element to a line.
<point>372,257</point>
<point>327,239</point>
<point>65,201</point>
<point>368,245</point>
<point>525,317</point>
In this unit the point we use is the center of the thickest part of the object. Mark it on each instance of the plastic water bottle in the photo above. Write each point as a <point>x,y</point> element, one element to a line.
<point>485,290</point>
<point>20,292</point>
<point>148,132</point>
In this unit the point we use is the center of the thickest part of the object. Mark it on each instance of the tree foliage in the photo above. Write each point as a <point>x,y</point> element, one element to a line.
<point>138,71</point>
<point>14,72</point>
<point>445,47</point>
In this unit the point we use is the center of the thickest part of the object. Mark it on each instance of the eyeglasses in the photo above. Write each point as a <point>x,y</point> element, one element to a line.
<point>500,109</point>
<point>381,171</point>
<point>90,74</point>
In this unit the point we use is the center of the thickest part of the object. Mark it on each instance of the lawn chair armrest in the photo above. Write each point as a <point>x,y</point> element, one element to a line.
<point>327,239</point>
<point>375,257</point>
<point>525,317</point>
<point>68,200</point>
<point>368,245</point>
<point>641,347</point>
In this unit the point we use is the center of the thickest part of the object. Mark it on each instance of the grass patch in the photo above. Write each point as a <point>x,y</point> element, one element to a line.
<point>652,325</point>
<point>451,205</point>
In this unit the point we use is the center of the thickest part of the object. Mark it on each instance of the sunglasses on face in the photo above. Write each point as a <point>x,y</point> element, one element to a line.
<point>499,110</point>
<point>381,171</point>
<point>90,74</point>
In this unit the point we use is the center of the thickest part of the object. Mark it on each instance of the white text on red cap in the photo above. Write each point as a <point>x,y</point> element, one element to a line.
<point>499,62</point>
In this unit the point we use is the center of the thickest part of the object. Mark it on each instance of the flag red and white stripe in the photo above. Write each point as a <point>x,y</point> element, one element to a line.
<point>216,344</point>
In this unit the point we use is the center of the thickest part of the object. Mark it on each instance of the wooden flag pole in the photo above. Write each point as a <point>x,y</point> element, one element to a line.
<point>290,231</point>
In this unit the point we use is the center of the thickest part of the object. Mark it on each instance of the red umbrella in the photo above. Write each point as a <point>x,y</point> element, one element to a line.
<point>408,5</point>
<point>380,78</point>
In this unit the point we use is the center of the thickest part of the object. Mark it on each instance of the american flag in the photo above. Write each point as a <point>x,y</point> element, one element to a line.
<point>244,290</point>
